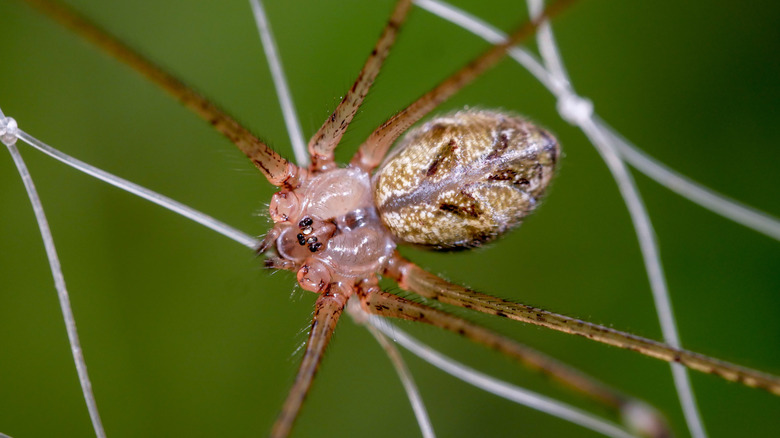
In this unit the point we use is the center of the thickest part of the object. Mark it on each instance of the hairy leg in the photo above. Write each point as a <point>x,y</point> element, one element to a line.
<point>415,279</point>
<point>378,302</point>
<point>274,167</point>
<point>327,311</point>
<point>324,142</point>
<point>373,150</point>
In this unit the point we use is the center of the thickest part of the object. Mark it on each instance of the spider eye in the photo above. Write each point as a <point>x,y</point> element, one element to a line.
<point>464,179</point>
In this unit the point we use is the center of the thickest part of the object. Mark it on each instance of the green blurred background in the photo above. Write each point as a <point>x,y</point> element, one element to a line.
<point>185,334</point>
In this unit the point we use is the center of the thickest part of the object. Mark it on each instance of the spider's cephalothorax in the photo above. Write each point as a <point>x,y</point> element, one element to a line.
<point>456,182</point>
<point>327,229</point>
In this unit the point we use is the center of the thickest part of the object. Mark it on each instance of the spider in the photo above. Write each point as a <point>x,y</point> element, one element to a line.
<point>333,357</point>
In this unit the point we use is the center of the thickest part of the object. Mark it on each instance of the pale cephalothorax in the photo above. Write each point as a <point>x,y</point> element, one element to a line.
<point>462,180</point>
<point>327,229</point>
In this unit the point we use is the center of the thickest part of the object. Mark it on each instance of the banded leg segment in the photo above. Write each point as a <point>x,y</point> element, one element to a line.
<point>371,153</point>
<point>413,278</point>
<point>276,169</point>
<point>324,142</point>
<point>327,311</point>
<point>384,304</point>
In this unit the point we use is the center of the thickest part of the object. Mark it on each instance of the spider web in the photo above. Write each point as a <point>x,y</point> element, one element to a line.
<point>569,107</point>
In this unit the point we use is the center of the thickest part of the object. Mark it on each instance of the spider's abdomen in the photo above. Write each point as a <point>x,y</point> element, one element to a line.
<point>464,179</point>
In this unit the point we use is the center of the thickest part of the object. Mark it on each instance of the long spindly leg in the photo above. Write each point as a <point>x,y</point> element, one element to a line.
<point>327,310</point>
<point>276,169</point>
<point>384,304</point>
<point>415,279</point>
<point>324,142</point>
<point>376,146</point>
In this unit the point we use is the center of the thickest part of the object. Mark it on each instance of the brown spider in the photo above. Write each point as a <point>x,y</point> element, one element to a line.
<point>335,287</point>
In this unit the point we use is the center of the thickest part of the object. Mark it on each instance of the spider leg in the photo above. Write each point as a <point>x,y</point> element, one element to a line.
<point>324,142</point>
<point>378,302</point>
<point>359,316</point>
<point>327,310</point>
<point>415,279</point>
<point>276,169</point>
<point>373,150</point>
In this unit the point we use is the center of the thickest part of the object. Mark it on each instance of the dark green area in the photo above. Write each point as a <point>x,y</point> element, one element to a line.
<point>185,334</point>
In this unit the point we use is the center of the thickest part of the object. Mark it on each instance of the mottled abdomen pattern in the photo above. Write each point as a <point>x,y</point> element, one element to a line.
<point>464,179</point>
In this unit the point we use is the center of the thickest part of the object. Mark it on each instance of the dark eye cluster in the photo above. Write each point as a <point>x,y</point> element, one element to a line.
<point>306,230</point>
